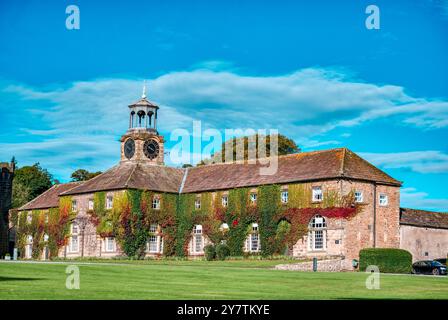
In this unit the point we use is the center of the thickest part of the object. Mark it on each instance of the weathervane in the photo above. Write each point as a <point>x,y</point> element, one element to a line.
<point>144,90</point>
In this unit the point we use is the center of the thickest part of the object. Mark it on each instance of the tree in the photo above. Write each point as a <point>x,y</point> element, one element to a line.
<point>29,182</point>
<point>285,146</point>
<point>186,165</point>
<point>83,175</point>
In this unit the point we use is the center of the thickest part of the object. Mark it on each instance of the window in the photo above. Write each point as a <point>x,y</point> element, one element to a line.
<point>46,237</point>
<point>152,241</point>
<point>29,217</point>
<point>156,203</point>
<point>110,244</point>
<point>284,196</point>
<point>109,202</point>
<point>198,243</point>
<point>358,196</point>
<point>74,228</point>
<point>224,227</point>
<point>224,201</point>
<point>197,204</point>
<point>317,194</point>
<point>46,217</point>
<point>253,198</point>
<point>74,244</point>
<point>74,205</point>
<point>253,239</point>
<point>155,240</point>
<point>153,228</point>
<point>383,199</point>
<point>317,233</point>
<point>90,204</point>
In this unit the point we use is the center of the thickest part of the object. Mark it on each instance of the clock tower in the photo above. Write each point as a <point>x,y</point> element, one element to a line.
<point>142,142</point>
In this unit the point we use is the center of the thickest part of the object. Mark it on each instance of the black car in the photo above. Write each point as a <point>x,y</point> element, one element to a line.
<point>442,261</point>
<point>429,267</point>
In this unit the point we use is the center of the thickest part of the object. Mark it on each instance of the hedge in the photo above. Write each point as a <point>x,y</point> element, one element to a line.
<point>388,260</point>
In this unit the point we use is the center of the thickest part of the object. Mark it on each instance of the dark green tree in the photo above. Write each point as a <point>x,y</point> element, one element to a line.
<point>83,175</point>
<point>29,182</point>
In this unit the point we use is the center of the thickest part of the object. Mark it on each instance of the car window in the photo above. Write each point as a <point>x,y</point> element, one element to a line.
<point>437,264</point>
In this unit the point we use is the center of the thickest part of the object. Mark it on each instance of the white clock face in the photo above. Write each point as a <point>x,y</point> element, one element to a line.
<point>151,149</point>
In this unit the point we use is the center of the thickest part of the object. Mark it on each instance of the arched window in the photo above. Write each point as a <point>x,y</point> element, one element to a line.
<point>155,239</point>
<point>141,118</point>
<point>198,239</point>
<point>317,233</point>
<point>253,239</point>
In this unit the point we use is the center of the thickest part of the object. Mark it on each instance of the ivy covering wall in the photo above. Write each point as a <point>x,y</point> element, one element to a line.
<point>129,219</point>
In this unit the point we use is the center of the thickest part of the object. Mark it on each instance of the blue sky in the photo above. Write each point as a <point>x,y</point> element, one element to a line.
<point>311,69</point>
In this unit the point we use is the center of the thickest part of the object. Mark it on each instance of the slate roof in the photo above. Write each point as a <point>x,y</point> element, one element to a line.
<point>300,167</point>
<point>133,175</point>
<point>423,218</point>
<point>50,198</point>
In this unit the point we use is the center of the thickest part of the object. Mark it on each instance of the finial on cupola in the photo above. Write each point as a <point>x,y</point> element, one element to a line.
<point>144,90</point>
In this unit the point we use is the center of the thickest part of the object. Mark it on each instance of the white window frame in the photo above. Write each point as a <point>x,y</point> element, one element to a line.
<point>109,202</point>
<point>317,194</point>
<point>29,217</point>
<point>74,205</point>
<point>383,199</point>
<point>284,196</point>
<point>225,201</point>
<point>156,203</point>
<point>109,241</point>
<point>90,204</point>
<point>359,196</point>
<point>197,203</point>
<point>253,197</point>
<point>198,239</point>
<point>74,238</point>
<point>153,228</point>
<point>317,229</point>
<point>253,239</point>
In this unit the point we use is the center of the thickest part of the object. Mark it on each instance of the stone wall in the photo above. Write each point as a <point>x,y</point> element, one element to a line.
<point>328,265</point>
<point>424,243</point>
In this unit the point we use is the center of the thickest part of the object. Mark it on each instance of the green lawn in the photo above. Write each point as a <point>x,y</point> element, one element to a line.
<point>240,279</point>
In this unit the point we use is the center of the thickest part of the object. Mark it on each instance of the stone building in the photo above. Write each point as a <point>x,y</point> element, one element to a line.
<point>6,176</point>
<point>321,174</point>
<point>424,233</point>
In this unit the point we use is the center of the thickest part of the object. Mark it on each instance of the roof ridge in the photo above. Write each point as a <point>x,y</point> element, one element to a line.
<point>184,178</point>
<point>95,177</point>
<point>280,156</point>
<point>130,175</point>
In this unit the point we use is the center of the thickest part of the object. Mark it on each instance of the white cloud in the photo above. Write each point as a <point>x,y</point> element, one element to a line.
<point>303,105</point>
<point>411,198</point>
<point>418,161</point>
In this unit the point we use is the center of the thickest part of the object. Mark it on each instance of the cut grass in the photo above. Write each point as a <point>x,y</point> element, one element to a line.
<point>236,279</point>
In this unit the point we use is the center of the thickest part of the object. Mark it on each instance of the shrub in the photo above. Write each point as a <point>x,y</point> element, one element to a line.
<point>388,260</point>
<point>222,251</point>
<point>210,252</point>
